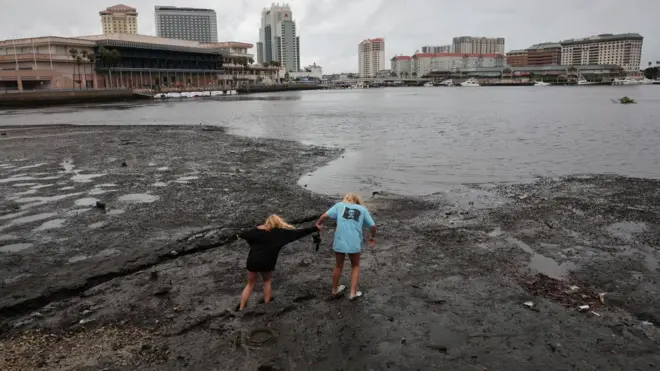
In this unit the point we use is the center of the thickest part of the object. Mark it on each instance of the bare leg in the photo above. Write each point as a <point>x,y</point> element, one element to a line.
<point>336,273</point>
<point>355,272</point>
<point>267,287</point>
<point>252,280</point>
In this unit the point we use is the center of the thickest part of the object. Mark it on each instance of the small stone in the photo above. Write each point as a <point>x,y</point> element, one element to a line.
<point>3,133</point>
<point>160,291</point>
<point>124,164</point>
<point>153,275</point>
<point>100,205</point>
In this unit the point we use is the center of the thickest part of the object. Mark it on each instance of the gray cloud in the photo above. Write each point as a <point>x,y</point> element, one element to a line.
<point>331,29</point>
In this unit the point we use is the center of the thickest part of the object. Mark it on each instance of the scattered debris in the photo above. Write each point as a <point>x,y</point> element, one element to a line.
<point>595,314</point>
<point>647,323</point>
<point>572,289</point>
<point>529,304</point>
<point>601,297</point>
<point>524,196</point>
<point>583,308</point>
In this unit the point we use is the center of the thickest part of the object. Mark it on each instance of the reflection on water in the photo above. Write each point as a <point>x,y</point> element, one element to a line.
<point>422,140</point>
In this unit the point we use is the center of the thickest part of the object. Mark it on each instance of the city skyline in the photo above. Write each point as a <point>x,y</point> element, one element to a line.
<point>330,33</point>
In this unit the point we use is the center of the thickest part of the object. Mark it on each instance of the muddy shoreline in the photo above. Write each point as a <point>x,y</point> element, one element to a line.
<point>486,277</point>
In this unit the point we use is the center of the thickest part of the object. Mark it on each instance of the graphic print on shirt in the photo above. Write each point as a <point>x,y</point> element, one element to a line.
<point>351,214</point>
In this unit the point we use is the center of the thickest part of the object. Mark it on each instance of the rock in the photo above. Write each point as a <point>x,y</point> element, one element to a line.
<point>124,164</point>
<point>3,133</point>
<point>153,275</point>
<point>36,315</point>
<point>162,290</point>
<point>439,348</point>
<point>100,205</point>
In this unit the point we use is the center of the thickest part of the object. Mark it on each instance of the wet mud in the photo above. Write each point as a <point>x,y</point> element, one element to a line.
<point>118,252</point>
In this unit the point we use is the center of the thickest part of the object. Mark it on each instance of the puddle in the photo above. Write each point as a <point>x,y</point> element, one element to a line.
<point>41,186</point>
<point>29,167</point>
<point>28,219</point>
<point>16,247</point>
<point>51,224</point>
<point>151,164</point>
<point>138,198</point>
<point>78,258</point>
<point>106,185</point>
<point>99,191</point>
<point>97,225</point>
<point>24,193</point>
<point>160,184</point>
<point>626,231</point>
<point>8,237</point>
<point>67,166</point>
<point>116,212</point>
<point>650,261</point>
<point>496,232</point>
<point>85,178</point>
<point>164,168</point>
<point>26,178</point>
<point>66,188</point>
<point>25,184</point>
<point>42,200</point>
<point>76,212</point>
<point>185,179</point>
<point>14,215</point>
<point>86,202</point>
<point>542,263</point>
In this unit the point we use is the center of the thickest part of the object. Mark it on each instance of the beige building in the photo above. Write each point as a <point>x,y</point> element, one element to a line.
<point>45,63</point>
<point>371,57</point>
<point>623,50</point>
<point>119,19</point>
<point>401,65</point>
<point>478,45</point>
<point>423,63</point>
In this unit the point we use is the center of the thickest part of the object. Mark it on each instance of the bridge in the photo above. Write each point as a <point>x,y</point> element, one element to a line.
<point>380,80</point>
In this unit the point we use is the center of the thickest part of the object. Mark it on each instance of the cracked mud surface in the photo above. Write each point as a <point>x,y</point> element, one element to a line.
<point>137,285</point>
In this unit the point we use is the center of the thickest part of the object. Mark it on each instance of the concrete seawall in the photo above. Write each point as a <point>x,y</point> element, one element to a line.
<point>276,88</point>
<point>47,98</point>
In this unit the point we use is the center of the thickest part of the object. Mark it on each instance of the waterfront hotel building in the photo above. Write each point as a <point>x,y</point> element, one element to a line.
<point>125,61</point>
<point>119,19</point>
<point>623,50</point>
<point>186,24</point>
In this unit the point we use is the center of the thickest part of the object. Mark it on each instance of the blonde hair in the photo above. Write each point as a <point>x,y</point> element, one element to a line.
<point>275,221</point>
<point>352,198</point>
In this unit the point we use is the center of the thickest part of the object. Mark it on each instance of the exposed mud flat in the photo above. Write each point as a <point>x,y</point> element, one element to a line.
<point>121,255</point>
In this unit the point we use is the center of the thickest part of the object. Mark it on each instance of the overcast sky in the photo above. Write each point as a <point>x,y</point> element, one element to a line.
<point>330,30</point>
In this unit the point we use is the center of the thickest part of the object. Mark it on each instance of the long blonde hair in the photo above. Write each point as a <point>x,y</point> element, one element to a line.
<point>275,221</point>
<point>352,198</point>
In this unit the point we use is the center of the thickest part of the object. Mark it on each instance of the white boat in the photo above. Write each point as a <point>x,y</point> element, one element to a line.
<point>448,82</point>
<point>646,81</point>
<point>428,84</point>
<point>470,83</point>
<point>627,81</point>
<point>583,81</point>
<point>542,83</point>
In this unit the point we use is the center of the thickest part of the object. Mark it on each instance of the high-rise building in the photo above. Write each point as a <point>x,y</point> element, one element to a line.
<point>191,24</point>
<point>438,48</point>
<point>478,45</point>
<point>278,40</point>
<point>623,50</point>
<point>371,57</point>
<point>119,19</point>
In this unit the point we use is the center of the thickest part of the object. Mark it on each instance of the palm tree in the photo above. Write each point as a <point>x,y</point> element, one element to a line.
<point>278,65</point>
<point>84,58</point>
<point>73,53</point>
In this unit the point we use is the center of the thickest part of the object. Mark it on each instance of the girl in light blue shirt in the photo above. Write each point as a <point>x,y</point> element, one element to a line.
<point>351,217</point>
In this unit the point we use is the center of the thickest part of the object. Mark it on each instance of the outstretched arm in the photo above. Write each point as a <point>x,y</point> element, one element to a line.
<point>290,235</point>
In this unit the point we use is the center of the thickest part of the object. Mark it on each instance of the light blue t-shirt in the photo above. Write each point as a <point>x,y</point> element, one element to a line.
<point>350,220</point>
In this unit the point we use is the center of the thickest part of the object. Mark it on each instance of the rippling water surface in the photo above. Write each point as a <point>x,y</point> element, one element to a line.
<point>422,140</point>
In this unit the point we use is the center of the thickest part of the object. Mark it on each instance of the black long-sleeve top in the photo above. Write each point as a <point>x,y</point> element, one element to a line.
<point>265,245</point>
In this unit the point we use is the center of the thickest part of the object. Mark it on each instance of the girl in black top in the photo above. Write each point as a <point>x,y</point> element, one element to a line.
<point>265,242</point>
